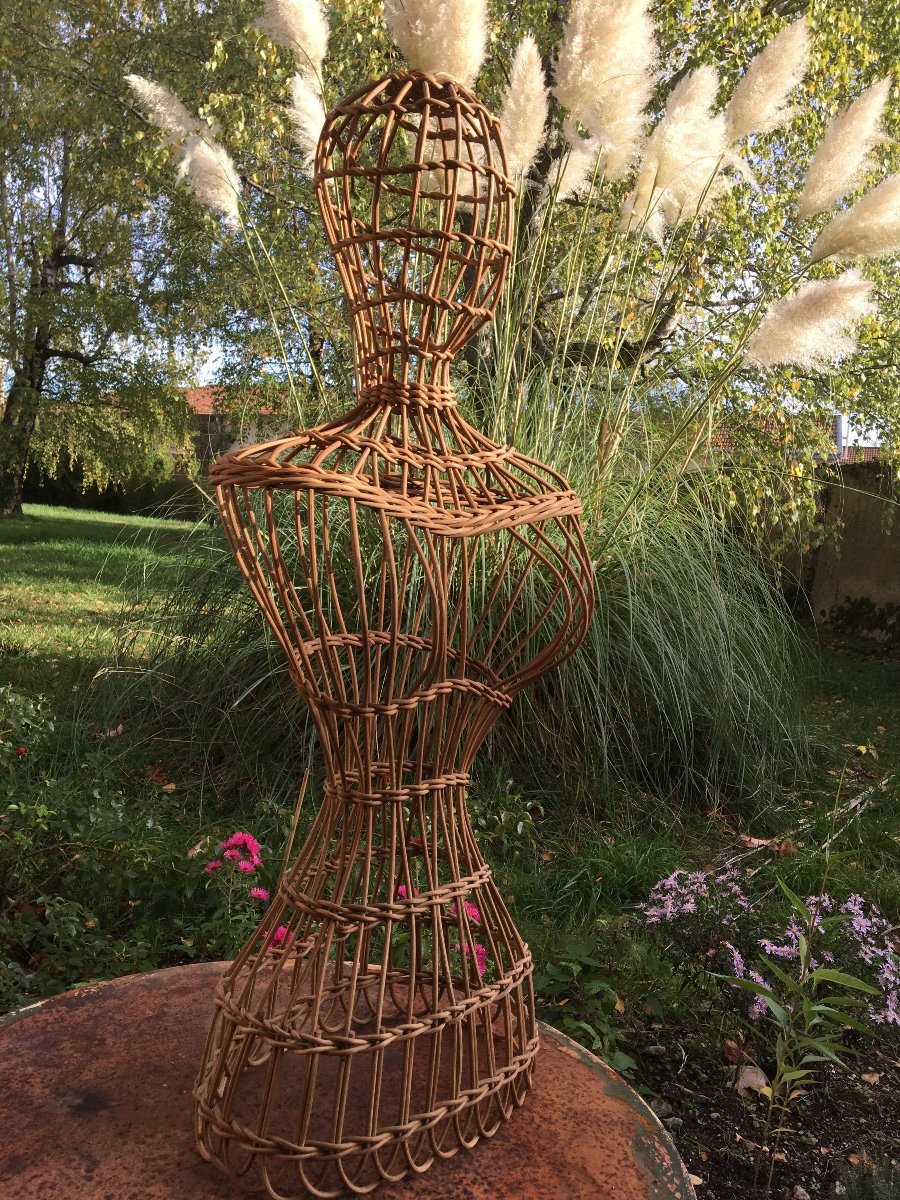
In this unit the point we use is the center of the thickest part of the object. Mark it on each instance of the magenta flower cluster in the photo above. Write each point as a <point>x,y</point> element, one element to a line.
<point>711,910</point>
<point>242,851</point>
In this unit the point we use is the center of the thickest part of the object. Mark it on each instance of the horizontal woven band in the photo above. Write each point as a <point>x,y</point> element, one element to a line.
<point>403,393</point>
<point>400,795</point>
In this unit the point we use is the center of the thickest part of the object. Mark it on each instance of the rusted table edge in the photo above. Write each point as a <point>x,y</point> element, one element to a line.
<point>82,989</point>
<point>644,1149</point>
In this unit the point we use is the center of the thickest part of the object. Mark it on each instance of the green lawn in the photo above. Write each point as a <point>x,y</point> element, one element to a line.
<point>62,572</point>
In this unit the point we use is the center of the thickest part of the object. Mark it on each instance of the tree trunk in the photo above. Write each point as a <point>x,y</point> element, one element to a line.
<point>17,425</point>
<point>16,430</point>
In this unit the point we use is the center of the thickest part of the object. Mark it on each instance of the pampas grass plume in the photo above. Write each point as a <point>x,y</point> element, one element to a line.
<point>163,107</point>
<point>759,103</point>
<point>577,168</point>
<point>680,171</point>
<point>841,160</point>
<point>810,329</point>
<point>307,114</point>
<point>607,45</point>
<point>447,37</point>
<point>870,229</point>
<point>300,26</point>
<point>523,116</point>
<point>208,168</point>
<point>205,164</point>
<point>606,73</point>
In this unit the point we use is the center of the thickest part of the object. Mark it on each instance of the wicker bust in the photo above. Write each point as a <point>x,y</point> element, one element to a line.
<point>417,576</point>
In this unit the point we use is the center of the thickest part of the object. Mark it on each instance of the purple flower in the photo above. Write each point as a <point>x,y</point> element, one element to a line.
<point>737,961</point>
<point>758,1007</point>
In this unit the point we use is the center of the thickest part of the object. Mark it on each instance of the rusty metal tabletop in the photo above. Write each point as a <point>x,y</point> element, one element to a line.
<point>95,1104</point>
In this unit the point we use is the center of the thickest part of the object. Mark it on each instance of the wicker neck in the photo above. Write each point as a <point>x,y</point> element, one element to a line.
<point>403,394</point>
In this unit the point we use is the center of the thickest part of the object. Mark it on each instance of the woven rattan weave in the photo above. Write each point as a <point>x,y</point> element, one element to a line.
<point>417,576</point>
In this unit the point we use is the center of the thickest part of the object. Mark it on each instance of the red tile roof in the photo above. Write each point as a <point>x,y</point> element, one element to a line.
<point>855,454</point>
<point>204,400</point>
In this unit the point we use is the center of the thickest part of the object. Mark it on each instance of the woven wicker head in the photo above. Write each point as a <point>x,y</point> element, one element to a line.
<point>411,180</point>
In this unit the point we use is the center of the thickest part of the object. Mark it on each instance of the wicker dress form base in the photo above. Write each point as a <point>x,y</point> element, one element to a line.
<point>417,576</point>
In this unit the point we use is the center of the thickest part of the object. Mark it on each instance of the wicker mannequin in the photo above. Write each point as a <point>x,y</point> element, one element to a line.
<point>417,576</point>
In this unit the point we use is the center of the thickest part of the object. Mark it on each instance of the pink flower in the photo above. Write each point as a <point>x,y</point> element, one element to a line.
<point>232,854</point>
<point>259,893</point>
<point>481,956</point>
<point>402,891</point>
<point>246,866</point>
<point>280,939</point>
<point>244,843</point>
<point>472,912</point>
<point>212,865</point>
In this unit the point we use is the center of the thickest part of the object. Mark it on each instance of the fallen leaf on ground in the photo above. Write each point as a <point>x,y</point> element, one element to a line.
<point>750,1079</point>
<point>168,787</point>
<point>696,1180</point>
<point>870,1078</point>
<point>783,848</point>
<point>111,733</point>
<point>734,1052</point>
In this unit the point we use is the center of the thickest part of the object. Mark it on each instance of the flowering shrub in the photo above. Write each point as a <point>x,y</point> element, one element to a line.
<point>232,873</point>
<point>707,918</point>
<point>242,850</point>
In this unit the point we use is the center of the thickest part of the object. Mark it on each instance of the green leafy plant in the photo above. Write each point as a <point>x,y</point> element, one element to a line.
<point>577,995</point>
<point>503,818</point>
<point>802,1023</point>
<point>878,1181</point>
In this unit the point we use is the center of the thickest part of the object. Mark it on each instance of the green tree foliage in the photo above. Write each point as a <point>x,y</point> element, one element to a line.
<point>95,306</point>
<point>272,305</point>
